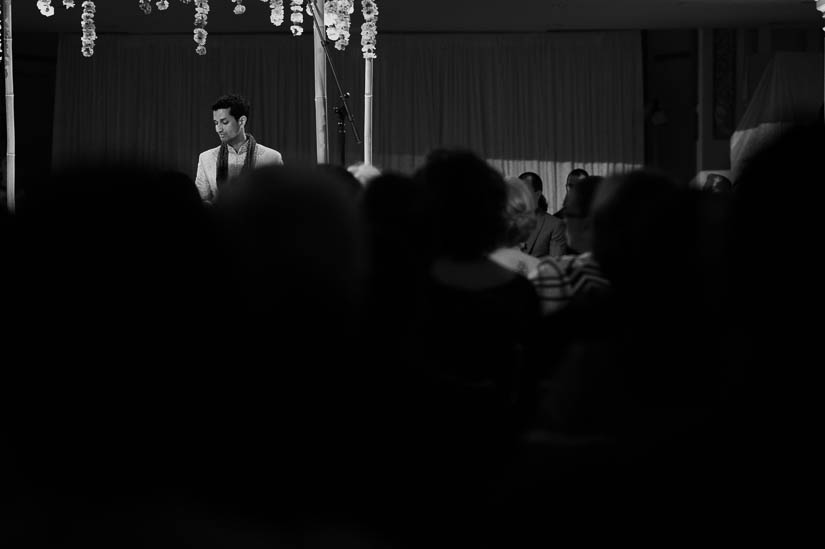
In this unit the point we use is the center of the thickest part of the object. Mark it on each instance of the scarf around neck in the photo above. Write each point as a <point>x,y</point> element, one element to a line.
<point>223,160</point>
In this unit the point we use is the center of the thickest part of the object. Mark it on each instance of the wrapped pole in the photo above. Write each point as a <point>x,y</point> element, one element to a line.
<point>7,56</point>
<point>321,130</point>
<point>368,111</point>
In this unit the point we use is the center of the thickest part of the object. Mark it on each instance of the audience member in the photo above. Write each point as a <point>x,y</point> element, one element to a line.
<point>520,216</point>
<point>717,183</point>
<point>572,178</point>
<point>364,172</point>
<point>477,318</point>
<point>547,237</point>
<point>560,280</point>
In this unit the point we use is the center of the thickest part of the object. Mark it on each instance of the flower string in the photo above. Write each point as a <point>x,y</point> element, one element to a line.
<point>369,30</point>
<point>201,13</point>
<point>297,17</point>
<point>87,23</point>
<point>239,7</point>
<point>276,12</point>
<point>337,21</point>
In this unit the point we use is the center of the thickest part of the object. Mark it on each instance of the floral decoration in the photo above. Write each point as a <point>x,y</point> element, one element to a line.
<point>45,7</point>
<point>162,5</point>
<point>276,12</point>
<point>145,6</point>
<point>87,23</point>
<point>239,7</point>
<point>201,13</point>
<point>369,30</point>
<point>337,21</point>
<point>297,17</point>
<point>68,4</point>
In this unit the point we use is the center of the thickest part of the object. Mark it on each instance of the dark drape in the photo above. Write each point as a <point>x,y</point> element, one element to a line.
<point>538,102</point>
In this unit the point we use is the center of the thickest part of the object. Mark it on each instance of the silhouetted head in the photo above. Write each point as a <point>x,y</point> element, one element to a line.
<point>574,177</point>
<point>467,198</point>
<point>536,185</point>
<point>578,213</point>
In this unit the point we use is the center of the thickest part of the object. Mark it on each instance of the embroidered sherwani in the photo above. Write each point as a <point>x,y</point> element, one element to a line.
<point>206,179</point>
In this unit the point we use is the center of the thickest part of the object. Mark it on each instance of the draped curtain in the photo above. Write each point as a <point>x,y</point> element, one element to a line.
<point>539,102</point>
<point>789,94</point>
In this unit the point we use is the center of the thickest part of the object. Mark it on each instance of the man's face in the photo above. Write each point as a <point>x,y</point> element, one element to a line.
<point>226,126</point>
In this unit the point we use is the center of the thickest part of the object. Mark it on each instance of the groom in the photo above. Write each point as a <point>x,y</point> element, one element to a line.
<point>237,153</point>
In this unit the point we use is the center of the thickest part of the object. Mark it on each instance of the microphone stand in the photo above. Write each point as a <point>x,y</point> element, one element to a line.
<point>342,110</point>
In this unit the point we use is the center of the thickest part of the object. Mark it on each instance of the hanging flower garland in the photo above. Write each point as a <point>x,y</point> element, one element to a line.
<point>87,23</point>
<point>369,30</point>
<point>201,13</point>
<point>297,17</point>
<point>276,12</point>
<point>45,7</point>
<point>337,21</point>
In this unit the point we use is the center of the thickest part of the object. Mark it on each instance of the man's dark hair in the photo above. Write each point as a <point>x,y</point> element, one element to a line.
<point>533,179</point>
<point>466,197</point>
<point>575,176</point>
<point>585,191</point>
<point>237,104</point>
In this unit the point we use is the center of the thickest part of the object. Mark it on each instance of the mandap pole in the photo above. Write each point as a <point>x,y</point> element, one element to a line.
<point>7,55</point>
<point>321,130</point>
<point>368,111</point>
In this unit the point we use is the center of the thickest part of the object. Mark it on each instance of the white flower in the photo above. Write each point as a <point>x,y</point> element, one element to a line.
<point>200,50</point>
<point>145,6</point>
<point>45,7</point>
<point>68,4</point>
<point>239,7</point>
<point>162,5</point>
<point>276,14</point>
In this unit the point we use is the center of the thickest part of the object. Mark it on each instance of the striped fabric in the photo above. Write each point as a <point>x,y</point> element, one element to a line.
<point>559,280</point>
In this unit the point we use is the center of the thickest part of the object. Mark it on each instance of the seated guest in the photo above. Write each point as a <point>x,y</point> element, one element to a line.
<point>364,172</point>
<point>520,217</point>
<point>717,183</point>
<point>547,237</point>
<point>572,178</point>
<point>558,281</point>
<point>476,317</point>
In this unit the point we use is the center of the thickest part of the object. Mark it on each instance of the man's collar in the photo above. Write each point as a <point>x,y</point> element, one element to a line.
<point>242,148</point>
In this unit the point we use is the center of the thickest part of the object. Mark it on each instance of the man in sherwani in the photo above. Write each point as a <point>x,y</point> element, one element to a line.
<point>237,153</point>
